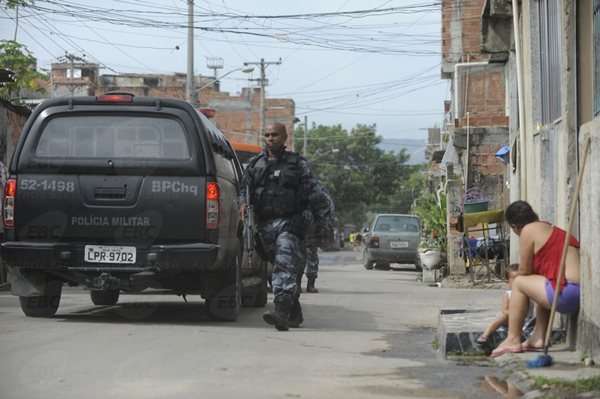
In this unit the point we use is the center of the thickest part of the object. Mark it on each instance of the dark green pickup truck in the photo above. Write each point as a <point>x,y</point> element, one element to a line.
<point>122,193</point>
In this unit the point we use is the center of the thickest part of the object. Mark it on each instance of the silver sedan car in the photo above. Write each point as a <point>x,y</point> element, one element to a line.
<point>392,238</point>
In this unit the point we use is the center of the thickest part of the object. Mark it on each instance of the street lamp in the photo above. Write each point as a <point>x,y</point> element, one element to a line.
<point>243,69</point>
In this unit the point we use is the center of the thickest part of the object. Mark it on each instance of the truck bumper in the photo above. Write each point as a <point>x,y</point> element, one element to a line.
<point>392,255</point>
<point>70,257</point>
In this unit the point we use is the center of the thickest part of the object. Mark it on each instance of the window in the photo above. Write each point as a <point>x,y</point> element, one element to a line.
<point>397,224</point>
<point>113,137</point>
<point>596,57</point>
<point>550,59</point>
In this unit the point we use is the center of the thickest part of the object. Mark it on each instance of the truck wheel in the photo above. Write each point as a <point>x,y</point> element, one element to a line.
<point>256,296</point>
<point>104,297</point>
<point>366,262</point>
<point>262,291</point>
<point>418,265</point>
<point>225,304</point>
<point>44,305</point>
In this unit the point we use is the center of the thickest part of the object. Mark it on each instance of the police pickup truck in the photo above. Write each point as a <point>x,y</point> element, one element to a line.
<point>118,193</point>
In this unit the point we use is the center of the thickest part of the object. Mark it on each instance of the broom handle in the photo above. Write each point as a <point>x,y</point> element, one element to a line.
<point>563,258</point>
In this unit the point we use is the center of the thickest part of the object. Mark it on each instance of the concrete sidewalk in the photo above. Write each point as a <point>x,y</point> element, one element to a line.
<point>458,330</point>
<point>567,371</point>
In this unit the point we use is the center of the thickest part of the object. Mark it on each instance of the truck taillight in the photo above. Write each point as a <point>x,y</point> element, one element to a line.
<point>10,192</point>
<point>212,205</point>
<point>374,242</point>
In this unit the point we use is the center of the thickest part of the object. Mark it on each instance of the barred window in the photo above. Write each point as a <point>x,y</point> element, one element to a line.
<point>550,59</point>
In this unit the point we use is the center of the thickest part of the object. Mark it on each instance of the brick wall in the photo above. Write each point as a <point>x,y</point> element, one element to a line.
<point>237,116</point>
<point>461,32</point>
<point>486,97</point>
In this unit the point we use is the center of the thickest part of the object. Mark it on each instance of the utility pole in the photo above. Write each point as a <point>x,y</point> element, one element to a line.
<point>189,86</point>
<point>16,21</point>
<point>263,83</point>
<point>305,135</point>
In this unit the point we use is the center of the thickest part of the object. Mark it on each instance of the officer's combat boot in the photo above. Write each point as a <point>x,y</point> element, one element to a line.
<point>279,317</point>
<point>296,317</point>
<point>310,285</point>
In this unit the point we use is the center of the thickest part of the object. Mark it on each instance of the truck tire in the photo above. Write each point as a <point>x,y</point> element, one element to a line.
<point>418,265</point>
<point>225,303</point>
<point>44,305</point>
<point>262,291</point>
<point>104,297</point>
<point>366,262</point>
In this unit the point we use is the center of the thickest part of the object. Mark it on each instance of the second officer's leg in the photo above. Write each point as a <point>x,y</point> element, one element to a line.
<point>312,268</point>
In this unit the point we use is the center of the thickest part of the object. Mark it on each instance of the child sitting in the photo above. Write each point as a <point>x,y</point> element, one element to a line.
<point>502,319</point>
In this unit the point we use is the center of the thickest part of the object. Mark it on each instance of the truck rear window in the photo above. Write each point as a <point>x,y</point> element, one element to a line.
<point>110,136</point>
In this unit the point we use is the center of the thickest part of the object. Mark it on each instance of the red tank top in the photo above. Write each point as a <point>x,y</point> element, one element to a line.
<point>546,261</point>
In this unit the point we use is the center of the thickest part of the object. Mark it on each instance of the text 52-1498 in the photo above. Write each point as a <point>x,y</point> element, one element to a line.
<point>47,185</point>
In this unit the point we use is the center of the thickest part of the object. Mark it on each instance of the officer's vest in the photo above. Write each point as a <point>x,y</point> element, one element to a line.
<point>277,186</point>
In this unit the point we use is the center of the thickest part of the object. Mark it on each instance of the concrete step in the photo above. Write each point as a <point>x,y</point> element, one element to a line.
<point>458,330</point>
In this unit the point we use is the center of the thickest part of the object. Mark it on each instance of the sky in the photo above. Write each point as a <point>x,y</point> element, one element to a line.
<point>342,61</point>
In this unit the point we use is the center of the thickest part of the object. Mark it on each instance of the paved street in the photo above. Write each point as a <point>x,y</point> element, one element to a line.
<point>367,334</point>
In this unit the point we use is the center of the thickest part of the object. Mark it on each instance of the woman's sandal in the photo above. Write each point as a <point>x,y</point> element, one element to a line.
<point>507,349</point>
<point>527,347</point>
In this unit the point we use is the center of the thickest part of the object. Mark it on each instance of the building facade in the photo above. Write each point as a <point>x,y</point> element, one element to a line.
<point>556,54</point>
<point>476,115</point>
<point>237,116</point>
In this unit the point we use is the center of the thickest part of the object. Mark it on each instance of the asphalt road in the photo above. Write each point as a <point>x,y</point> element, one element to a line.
<point>366,334</point>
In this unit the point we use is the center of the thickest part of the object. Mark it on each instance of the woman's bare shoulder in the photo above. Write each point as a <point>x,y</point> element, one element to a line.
<point>537,232</point>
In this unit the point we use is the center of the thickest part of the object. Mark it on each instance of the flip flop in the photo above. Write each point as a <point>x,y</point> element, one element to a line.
<point>507,349</point>
<point>530,348</point>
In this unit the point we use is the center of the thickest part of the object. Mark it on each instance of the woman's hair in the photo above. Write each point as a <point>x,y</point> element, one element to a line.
<point>520,213</point>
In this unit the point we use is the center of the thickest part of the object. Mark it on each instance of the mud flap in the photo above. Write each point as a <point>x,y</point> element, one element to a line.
<point>26,284</point>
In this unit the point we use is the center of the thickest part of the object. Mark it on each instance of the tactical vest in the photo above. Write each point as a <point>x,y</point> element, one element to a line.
<point>276,191</point>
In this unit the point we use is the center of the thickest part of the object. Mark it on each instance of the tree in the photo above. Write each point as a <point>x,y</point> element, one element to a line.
<point>360,176</point>
<point>17,58</point>
<point>15,3</point>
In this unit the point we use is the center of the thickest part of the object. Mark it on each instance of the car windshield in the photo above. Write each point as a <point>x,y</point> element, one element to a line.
<point>397,224</point>
<point>110,136</point>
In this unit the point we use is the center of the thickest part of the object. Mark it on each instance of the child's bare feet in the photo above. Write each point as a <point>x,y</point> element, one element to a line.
<point>482,339</point>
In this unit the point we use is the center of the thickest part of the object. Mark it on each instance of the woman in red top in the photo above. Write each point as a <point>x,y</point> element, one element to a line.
<point>540,247</point>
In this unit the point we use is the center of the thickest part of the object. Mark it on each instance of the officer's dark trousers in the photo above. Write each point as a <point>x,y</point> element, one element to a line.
<point>312,261</point>
<point>286,251</point>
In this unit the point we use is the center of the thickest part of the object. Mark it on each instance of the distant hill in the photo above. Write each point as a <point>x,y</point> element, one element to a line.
<point>416,148</point>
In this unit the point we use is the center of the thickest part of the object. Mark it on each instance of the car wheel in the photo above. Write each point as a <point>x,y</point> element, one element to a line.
<point>225,304</point>
<point>43,305</point>
<point>382,266</point>
<point>366,262</point>
<point>418,265</point>
<point>104,297</point>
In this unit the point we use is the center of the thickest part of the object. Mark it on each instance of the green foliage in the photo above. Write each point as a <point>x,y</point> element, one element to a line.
<point>15,3</point>
<point>432,211</point>
<point>577,386</point>
<point>15,57</point>
<point>360,176</point>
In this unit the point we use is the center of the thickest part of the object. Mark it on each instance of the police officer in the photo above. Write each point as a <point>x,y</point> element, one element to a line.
<point>316,239</point>
<point>283,192</point>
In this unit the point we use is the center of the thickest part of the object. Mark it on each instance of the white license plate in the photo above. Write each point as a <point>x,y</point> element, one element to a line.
<point>399,244</point>
<point>109,254</point>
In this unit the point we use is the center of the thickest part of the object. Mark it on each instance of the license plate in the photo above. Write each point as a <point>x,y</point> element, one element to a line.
<point>399,244</point>
<point>109,254</point>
